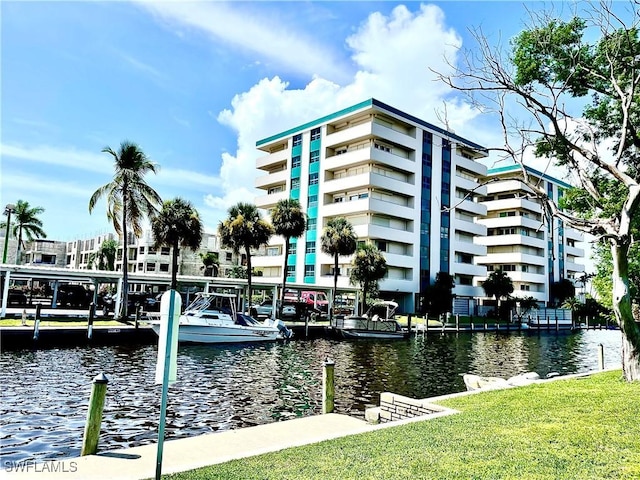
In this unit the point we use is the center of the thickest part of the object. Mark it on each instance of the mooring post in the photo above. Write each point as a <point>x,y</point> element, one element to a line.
<point>24,317</point>
<point>557,325</point>
<point>138,313</point>
<point>458,321</point>
<point>92,313</point>
<point>409,324</point>
<point>36,324</point>
<point>94,415</point>
<point>601,356</point>
<point>328,386</point>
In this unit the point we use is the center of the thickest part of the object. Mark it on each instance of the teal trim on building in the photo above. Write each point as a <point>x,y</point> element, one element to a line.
<point>312,235</point>
<point>311,280</point>
<point>315,145</point>
<point>297,150</point>
<point>511,168</point>
<point>313,190</point>
<point>295,172</point>
<point>369,103</point>
<point>295,194</point>
<point>310,258</point>
<point>314,168</point>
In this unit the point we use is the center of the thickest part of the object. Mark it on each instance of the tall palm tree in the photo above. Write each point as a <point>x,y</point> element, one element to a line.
<point>26,223</point>
<point>129,200</point>
<point>291,222</point>
<point>177,225</point>
<point>243,230</point>
<point>369,266</point>
<point>338,239</point>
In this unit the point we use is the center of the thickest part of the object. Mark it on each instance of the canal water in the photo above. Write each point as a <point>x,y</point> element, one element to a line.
<point>44,393</point>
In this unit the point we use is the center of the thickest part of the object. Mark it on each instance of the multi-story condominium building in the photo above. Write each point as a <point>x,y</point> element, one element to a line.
<point>44,252</point>
<point>520,241</point>
<point>405,185</point>
<point>144,257</point>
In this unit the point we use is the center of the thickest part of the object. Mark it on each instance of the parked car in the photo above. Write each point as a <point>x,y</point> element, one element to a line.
<point>73,295</point>
<point>313,299</point>
<point>266,307</point>
<point>16,297</point>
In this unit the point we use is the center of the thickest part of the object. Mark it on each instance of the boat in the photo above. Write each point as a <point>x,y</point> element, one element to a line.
<point>212,318</point>
<point>419,323</point>
<point>478,382</point>
<point>377,323</point>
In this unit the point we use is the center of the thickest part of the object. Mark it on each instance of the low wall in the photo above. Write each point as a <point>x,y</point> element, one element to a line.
<point>394,407</point>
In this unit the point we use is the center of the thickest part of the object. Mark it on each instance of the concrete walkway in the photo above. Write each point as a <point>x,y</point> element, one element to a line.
<point>194,452</point>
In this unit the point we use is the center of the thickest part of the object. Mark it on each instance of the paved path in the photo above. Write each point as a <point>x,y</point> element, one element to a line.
<point>194,452</point>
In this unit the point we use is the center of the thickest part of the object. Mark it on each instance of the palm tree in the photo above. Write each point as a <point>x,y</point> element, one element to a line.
<point>498,284</point>
<point>338,239</point>
<point>129,199</point>
<point>105,257</point>
<point>369,266</point>
<point>210,264</point>
<point>243,230</point>
<point>177,225</point>
<point>27,224</point>
<point>291,222</point>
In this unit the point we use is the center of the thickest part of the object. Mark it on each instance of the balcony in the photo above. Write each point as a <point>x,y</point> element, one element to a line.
<point>470,165</point>
<point>272,179</point>
<point>468,269</point>
<point>270,161</point>
<point>466,247</point>
<point>468,291</point>
<point>368,205</point>
<point>269,201</point>
<point>470,185</point>
<point>513,204</point>
<point>515,221</point>
<point>368,154</point>
<point>507,186</point>
<point>366,180</point>
<point>370,130</point>
<point>388,233</point>
<point>576,252</point>
<point>512,258</point>
<point>513,239</point>
<point>574,267</point>
<point>475,208</point>
<point>470,227</point>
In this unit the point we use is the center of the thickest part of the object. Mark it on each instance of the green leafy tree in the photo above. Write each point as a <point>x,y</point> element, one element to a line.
<point>244,229</point>
<point>338,239</point>
<point>25,224</point>
<point>498,285</point>
<point>440,294</point>
<point>290,221</point>
<point>368,266</point>
<point>210,264</point>
<point>177,225</point>
<point>562,290</point>
<point>129,200</point>
<point>105,257</point>
<point>576,82</point>
<point>237,271</point>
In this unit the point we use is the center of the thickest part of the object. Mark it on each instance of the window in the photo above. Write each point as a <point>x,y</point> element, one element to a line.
<point>382,245</point>
<point>314,156</point>
<point>228,256</point>
<point>313,179</point>
<point>164,267</point>
<point>380,146</point>
<point>291,270</point>
<point>311,247</point>
<point>293,248</point>
<point>295,183</point>
<point>309,270</point>
<point>508,268</point>
<point>273,251</point>
<point>311,223</point>
<point>141,250</point>
<point>444,232</point>
<point>426,182</point>
<point>165,251</point>
<point>295,161</point>
<point>151,250</point>
<point>151,267</point>
<point>315,134</point>
<point>312,201</point>
<point>297,140</point>
<point>465,258</point>
<point>525,288</point>
<point>338,199</point>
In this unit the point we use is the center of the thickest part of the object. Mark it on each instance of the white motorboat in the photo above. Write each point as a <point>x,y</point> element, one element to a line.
<point>377,323</point>
<point>212,318</point>
<point>477,382</point>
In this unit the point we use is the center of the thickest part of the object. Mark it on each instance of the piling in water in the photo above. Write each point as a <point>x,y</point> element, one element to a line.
<point>328,387</point>
<point>94,416</point>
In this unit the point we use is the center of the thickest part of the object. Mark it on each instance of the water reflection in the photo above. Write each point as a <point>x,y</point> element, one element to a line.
<point>45,393</point>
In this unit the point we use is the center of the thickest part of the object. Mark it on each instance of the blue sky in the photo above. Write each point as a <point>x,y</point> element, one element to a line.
<point>196,84</point>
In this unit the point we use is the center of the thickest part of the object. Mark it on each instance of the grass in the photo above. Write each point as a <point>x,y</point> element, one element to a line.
<point>571,429</point>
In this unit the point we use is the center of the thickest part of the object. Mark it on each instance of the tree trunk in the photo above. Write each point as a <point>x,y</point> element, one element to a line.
<point>250,293</point>
<point>174,267</point>
<point>624,315</point>
<point>287,240</point>
<point>365,289</point>
<point>335,286</point>
<point>125,265</point>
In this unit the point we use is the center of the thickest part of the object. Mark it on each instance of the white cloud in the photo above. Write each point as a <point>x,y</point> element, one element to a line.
<point>394,56</point>
<point>246,25</point>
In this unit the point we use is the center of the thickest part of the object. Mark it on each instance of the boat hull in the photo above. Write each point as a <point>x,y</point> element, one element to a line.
<point>360,327</point>
<point>223,334</point>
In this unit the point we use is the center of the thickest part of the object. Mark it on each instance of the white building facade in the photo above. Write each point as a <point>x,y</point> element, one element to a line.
<point>407,186</point>
<point>521,242</point>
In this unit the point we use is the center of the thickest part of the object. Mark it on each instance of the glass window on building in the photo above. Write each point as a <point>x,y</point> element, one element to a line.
<point>312,223</point>
<point>315,134</point>
<point>297,140</point>
<point>165,251</point>
<point>164,267</point>
<point>311,247</point>
<point>313,179</point>
<point>314,156</point>
<point>151,267</point>
<point>293,247</point>
<point>295,161</point>
<point>312,201</point>
<point>295,183</point>
<point>309,270</point>
<point>291,270</point>
<point>228,256</point>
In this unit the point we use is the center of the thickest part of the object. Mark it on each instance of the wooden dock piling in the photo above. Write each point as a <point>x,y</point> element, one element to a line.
<point>94,415</point>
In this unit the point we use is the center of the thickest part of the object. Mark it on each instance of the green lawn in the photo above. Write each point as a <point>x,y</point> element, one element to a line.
<point>584,428</point>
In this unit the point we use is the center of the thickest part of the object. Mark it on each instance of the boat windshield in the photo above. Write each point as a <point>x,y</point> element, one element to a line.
<point>212,302</point>
<point>246,320</point>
